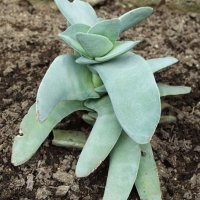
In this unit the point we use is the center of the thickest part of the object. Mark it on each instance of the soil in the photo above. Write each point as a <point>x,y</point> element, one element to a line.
<point>29,43</point>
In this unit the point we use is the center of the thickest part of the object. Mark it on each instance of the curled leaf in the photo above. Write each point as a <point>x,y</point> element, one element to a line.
<point>85,61</point>
<point>107,28</point>
<point>34,133</point>
<point>88,119</point>
<point>118,49</point>
<point>64,80</point>
<point>123,168</point>
<point>157,64</point>
<point>69,36</point>
<point>94,45</point>
<point>147,181</point>
<point>134,17</point>
<point>69,138</point>
<point>166,90</point>
<point>77,12</point>
<point>101,139</point>
<point>134,94</point>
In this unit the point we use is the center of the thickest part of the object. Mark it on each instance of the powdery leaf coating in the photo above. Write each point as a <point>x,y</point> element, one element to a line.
<point>107,28</point>
<point>69,36</point>
<point>101,139</point>
<point>64,80</point>
<point>134,17</point>
<point>118,49</point>
<point>123,168</point>
<point>34,133</point>
<point>157,64</point>
<point>166,90</point>
<point>94,45</point>
<point>77,12</point>
<point>134,94</point>
<point>147,181</point>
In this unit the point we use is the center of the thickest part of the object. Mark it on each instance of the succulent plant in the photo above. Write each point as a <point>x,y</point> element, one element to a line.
<point>118,91</point>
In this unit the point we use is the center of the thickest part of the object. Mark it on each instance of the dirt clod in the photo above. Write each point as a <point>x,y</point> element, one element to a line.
<point>62,190</point>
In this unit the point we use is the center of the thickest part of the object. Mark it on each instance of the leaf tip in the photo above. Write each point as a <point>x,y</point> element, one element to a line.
<point>14,163</point>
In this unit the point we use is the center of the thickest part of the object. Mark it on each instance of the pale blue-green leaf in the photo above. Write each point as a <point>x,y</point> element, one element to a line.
<point>123,168</point>
<point>69,36</point>
<point>134,17</point>
<point>99,19</point>
<point>166,90</point>
<point>92,69</point>
<point>147,181</point>
<point>85,61</point>
<point>64,80</point>
<point>93,115</point>
<point>77,12</point>
<point>134,94</point>
<point>100,89</point>
<point>157,64</point>
<point>68,24</point>
<point>69,138</point>
<point>74,44</point>
<point>102,138</point>
<point>94,45</point>
<point>74,29</point>
<point>34,133</point>
<point>96,80</point>
<point>88,119</point>
<point>118,49</point>
<point>107,28</point>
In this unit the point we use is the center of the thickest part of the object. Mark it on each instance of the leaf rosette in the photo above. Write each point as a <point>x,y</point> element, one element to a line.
<point>97,43</point>
<point>93,38</point>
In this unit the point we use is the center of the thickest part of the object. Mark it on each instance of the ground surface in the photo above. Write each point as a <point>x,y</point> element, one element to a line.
<point>29,43</point>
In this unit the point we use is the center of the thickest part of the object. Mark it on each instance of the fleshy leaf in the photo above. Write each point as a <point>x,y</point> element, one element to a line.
<point>96,80</point>
<point>94,45</point>
<point>88,119</point>
<point>102,138</point>
<point>92,69</point>
<point>123,168</point>
<point>99,19</point>
<point>75,45</point>
<point>107,28</point>
<point>69,138</point>
<point>100,89</point>
<point>34,133</point>
<point>147,181</point>
<point>85,61</point>
<point>74,29</point>
<point>157,64</point>
<point>134,17</point>
<point>118,49</point>
<point>166,90</point>
<point>64,80</point>
<point>77,12</point>
<point>134,94</point>
<point>69,36</point>
<point>93,115</point>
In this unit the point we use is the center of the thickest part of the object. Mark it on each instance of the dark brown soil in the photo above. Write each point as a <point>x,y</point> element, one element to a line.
<point>29,43</point>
